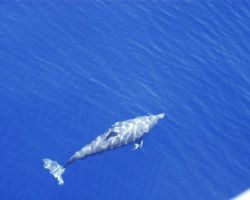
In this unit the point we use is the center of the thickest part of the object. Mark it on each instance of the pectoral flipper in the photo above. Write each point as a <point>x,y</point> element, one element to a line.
<point>138,144</point>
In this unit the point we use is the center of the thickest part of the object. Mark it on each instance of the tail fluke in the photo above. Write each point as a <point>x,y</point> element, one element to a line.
<point>55,169</point>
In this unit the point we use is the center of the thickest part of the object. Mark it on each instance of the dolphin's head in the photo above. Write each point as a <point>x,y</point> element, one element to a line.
<point>160,116</point>
<point>155,118</point>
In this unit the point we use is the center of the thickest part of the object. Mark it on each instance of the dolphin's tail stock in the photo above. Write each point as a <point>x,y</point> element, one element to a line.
<point>55,169</point>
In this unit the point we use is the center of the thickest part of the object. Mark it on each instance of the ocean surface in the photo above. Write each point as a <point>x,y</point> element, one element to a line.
<point>70,69</point>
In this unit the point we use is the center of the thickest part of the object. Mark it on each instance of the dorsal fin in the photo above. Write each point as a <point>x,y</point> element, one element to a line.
<point>111,134</point>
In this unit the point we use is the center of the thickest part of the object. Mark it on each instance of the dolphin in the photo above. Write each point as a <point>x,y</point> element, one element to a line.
<point>131,131</point>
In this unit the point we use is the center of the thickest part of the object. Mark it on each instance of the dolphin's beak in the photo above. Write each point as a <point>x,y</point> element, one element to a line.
<point>160,116</point>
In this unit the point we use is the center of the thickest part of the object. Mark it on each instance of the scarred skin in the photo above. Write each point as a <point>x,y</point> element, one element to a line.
<point>120,134</point>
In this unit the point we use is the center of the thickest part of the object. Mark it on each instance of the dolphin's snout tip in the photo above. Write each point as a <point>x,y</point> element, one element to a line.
<point>160,116</point>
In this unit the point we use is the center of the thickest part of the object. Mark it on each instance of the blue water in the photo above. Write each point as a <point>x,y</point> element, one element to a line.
<point>68,70</point>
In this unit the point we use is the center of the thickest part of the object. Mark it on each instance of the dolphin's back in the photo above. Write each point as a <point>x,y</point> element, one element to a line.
<point>120,134</point>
